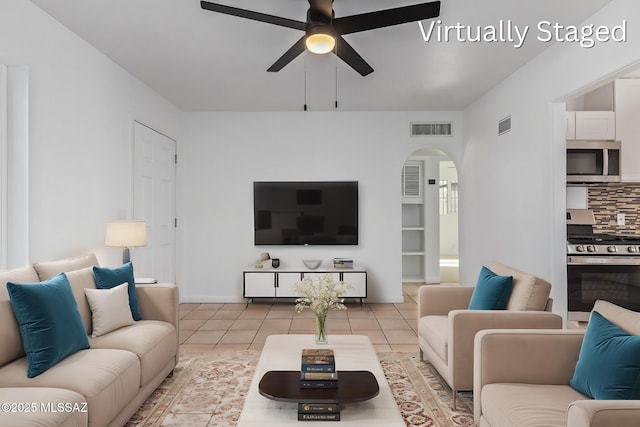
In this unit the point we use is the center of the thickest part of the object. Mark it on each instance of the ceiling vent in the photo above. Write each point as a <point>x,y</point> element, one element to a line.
<point>432,129</point>
<point>504,125</point>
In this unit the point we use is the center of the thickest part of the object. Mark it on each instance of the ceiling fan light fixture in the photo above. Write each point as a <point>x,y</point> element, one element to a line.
<point>320,41</point>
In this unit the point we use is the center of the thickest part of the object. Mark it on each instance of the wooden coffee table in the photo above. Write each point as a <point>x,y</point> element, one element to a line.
<point>282,353</point>
<point>353,386</point>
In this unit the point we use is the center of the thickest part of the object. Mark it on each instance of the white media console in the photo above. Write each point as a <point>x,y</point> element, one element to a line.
<point>277,282</point>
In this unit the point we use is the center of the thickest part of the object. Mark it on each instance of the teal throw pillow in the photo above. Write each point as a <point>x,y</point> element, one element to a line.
<point>107,278</point>
<point>49,321</point>
<point>608,365</point>
<point>492,292</point>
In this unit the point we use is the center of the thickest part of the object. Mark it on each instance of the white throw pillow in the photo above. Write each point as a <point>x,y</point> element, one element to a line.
<point>109,308</point>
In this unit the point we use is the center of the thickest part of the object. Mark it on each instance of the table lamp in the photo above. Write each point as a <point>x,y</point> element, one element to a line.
<point>126,234</point>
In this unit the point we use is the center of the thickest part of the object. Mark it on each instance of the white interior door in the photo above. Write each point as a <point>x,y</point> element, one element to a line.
<point>154,185</point>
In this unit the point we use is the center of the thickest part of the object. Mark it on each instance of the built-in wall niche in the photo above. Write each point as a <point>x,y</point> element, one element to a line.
<point>413,243</point>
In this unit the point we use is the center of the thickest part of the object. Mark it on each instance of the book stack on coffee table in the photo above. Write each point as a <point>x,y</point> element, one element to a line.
<point>318,412</point>
<point>318,371</point>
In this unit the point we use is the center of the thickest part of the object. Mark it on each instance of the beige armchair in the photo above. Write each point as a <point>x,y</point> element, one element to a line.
<point>522,378</point>
<point>446,328</point>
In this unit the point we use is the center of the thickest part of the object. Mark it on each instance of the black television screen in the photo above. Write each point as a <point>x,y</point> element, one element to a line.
<point>305,213</point>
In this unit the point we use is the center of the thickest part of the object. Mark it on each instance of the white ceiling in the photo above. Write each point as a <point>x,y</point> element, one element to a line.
<point>204,61</point>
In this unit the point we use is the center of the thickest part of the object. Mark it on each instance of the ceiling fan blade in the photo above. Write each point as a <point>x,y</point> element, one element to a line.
<point>351,57</point>
<point>289,55</point>
<point>386,18</point>
<point>256,16</point>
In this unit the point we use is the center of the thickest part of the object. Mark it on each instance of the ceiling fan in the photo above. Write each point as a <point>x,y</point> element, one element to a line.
<point>323,32</point>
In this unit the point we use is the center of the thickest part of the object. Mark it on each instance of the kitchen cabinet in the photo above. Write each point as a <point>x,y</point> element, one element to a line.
<point>571,124</point>
<point>627,105</point>
<point>592,125</point>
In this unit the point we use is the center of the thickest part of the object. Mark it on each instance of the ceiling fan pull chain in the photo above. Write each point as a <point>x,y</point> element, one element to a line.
<point>336,58</point>
<point>305,82</point>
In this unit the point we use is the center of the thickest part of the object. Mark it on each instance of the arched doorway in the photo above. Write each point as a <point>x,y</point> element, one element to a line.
<point>429,218</point>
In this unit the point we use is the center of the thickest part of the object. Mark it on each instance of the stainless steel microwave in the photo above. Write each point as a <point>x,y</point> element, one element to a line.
<point>593,161</point>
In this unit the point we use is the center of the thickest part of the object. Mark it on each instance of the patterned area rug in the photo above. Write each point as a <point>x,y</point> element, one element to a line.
<point>208,389</point>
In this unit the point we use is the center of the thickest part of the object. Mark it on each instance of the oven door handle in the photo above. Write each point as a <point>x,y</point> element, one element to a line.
<point>598,260</point>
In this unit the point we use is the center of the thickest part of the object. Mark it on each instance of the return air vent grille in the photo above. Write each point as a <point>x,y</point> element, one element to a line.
<point>431,129</point>
<point>411,177</point>
<point>504,125</point>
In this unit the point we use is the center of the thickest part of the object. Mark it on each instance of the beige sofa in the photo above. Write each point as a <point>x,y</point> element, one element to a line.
<point>446,328</point>
<point>100,386</point>
<point>522,378</point>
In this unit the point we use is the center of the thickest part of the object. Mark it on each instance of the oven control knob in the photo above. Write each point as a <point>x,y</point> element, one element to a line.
<point>580,248</point>
<point>632,249</point>
<point>591,248</point>
<point>612,249</point>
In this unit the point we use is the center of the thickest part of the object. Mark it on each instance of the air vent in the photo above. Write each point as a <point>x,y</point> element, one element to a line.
<point>432,129</point>
<point>504,125</point>
<point>411,177</point>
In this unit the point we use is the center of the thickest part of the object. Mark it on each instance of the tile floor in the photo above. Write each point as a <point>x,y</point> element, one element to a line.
<point>225,327</point>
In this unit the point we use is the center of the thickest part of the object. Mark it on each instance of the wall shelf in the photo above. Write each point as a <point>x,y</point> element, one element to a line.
<point>413,243</point>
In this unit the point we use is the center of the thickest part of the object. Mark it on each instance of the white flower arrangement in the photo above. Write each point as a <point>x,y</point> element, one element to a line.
<point>320,293</point>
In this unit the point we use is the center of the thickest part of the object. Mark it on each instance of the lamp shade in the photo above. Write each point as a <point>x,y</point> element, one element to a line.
<point>123,234</point>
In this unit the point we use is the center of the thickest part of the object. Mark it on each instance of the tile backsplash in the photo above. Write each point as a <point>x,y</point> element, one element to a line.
<point>609,201</point>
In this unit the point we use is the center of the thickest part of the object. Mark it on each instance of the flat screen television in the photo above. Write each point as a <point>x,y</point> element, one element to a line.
<point>305,213</point>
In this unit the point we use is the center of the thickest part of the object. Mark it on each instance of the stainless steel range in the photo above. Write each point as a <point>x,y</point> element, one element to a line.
<point>599,266</point>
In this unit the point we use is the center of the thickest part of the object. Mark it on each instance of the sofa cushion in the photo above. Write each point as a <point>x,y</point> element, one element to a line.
<point>609,362</point>
<point>434,329</point>
<point>12,348</point>
<point>627,320</point>
<point>49,320</point>
<point>108,379</point>
<point>47,270</point>
<point>107,278</point>
<point>153,341</point>
<point>50,407</point>
<point>491,292</point>
<point>109,309</point>
<point>527,405</point>
<point>529,292</point>
<point>80,280</point>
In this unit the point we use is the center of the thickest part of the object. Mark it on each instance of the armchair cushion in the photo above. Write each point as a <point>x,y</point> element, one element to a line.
<point>526,405</point>
<point>491,292</point>
<point>529,292</point>
<point>609,363</point>
<point>436,328</point>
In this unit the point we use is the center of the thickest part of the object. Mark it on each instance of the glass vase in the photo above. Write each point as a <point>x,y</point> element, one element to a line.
<point>321,328</point>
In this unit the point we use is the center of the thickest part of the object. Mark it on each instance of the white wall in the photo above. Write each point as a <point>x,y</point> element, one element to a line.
<point>513,186</point>
<point>431,219</point>
<point>221,154</point>
<point>81,110</point>
<point>449,222</point>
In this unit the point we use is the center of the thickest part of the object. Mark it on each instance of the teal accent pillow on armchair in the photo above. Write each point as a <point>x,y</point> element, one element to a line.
<point>107,278</point>
<point>609,362</point>
<point>492,292</point>
<point>49,321</point>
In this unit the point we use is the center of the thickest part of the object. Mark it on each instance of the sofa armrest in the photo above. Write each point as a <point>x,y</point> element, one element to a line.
<point>603,413</point>
<point>441,299</point>
<point>159,301</point>
<point>530,356</point>
<point>464,324</point>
